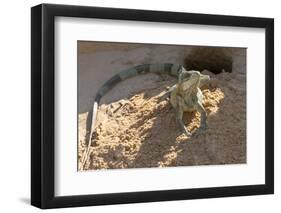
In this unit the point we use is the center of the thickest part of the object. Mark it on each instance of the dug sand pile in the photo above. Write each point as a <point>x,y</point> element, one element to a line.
<point>137,129</point>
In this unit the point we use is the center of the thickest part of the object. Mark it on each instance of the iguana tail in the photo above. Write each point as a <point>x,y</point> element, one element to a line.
<point>165,68</point>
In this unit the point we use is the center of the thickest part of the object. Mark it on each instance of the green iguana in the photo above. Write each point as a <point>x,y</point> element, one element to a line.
<point>184,96</point>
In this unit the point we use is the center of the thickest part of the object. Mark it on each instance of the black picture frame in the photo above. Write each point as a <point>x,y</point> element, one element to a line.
<point>43,102</point>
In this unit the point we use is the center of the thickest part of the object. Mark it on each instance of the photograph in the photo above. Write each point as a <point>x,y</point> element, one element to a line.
<point>132,105</point>
<point>143,105</point>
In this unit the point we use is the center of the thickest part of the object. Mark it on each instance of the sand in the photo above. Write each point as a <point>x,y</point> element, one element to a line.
<point>137,129</point>
<point>141,130</point>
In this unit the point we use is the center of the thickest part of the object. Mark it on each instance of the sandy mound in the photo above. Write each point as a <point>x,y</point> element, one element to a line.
<point>140,130</point>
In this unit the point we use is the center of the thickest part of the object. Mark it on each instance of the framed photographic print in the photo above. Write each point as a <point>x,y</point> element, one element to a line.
<point>140,106</point>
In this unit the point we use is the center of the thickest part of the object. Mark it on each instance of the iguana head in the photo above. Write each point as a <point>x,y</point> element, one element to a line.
<point>191,78</point>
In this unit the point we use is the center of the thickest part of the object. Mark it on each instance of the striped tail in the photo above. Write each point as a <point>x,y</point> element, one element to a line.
<point>165,68</point>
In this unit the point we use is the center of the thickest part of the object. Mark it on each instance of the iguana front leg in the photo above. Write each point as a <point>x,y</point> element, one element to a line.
<point>203,120</point>
<point>168,92</point>
<point>179,115</point>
